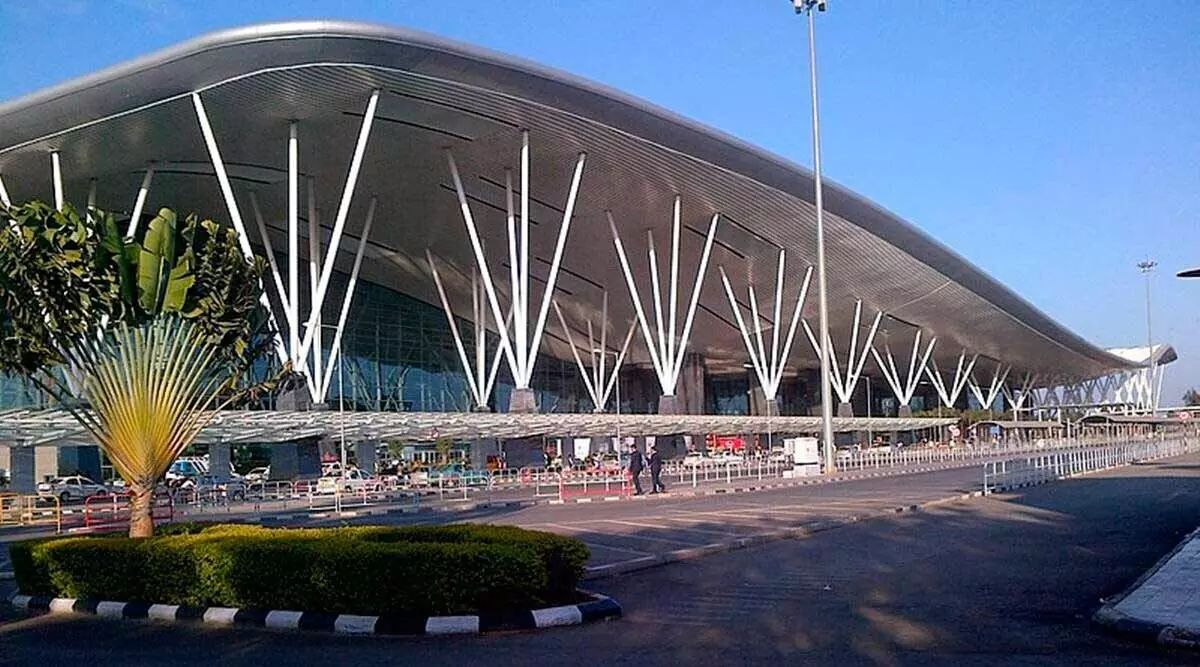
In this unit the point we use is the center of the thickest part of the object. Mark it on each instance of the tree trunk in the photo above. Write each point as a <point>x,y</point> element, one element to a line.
<point>141,511</point>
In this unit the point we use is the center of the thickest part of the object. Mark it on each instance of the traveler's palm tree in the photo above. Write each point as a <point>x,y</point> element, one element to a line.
<point>146,391</point>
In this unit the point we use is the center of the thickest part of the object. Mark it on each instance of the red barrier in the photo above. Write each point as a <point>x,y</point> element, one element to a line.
<point>589,483</point>
<point>111,511</point>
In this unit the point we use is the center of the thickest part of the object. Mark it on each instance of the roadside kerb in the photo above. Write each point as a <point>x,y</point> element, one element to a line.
<point>1118,623</point>
<point>596,608</point>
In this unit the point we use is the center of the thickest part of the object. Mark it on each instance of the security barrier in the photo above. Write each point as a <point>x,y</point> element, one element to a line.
<point>587,483</point>
<point>31,510</point>
<point>112,511</point>
<point>1030,470</point>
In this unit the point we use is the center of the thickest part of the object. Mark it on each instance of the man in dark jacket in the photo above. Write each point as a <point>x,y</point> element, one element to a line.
<point>635,469</point>
<point>656,464</point>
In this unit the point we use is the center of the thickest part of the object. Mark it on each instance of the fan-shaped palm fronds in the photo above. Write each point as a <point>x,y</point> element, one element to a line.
<point>148,391</point>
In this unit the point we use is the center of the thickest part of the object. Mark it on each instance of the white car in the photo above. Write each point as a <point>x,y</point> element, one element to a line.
<point>258,475</point>
<point>73,488</point>
<point>779,455</point>
<point>207,485</point>
<point>696,459</point>
<point>353,481</point>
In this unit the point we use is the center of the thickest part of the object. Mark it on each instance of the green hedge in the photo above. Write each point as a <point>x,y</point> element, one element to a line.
<point>371,570</point>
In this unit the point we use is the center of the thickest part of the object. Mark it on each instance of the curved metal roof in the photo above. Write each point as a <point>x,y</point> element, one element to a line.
<point>438,93</point>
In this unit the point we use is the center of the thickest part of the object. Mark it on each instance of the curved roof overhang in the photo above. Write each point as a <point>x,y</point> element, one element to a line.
<point>438,94</point>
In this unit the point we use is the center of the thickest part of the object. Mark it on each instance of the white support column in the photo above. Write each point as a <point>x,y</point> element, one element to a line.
<point>293,223</point>
<point>140,202</point>
<point>769,369</point>
<point>349,297</point>
<point>339,223</point>
<point>4,198</point>
<point>904,388</point>
<point>999,375</point>
<point>666,352</point>
<point>949,395</point>
<point>599,379</point>
<point>1019,397</point>
<point>855,358</point>
<point>480,379</point>
<point>521,345</point>
<point>56,171</point>
<point>314,275</point>
<point>284,299</point>
<point>235,215</point>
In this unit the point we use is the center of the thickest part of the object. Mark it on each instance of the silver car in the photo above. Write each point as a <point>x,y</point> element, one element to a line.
<point>74,488</point>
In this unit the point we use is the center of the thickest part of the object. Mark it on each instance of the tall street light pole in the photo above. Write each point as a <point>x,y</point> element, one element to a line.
<point>1147,267</point>
<point>807,7</point>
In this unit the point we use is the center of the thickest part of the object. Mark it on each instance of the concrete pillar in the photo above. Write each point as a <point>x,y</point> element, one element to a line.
<point>668,405</point>
<point>522,401</point>
<point>218,460</point>
<point>690,389</point>
<point>79,460</point>
<point>45,463</point>
<point>23,475</point>
<point>5,461</point>
<point>905,411</point>
<point>295,460</point>
<point>366,455</point>
<point>843,410</point>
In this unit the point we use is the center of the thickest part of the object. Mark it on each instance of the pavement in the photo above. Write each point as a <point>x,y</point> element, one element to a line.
<point>1163,605</point>
<point>1008,579</point>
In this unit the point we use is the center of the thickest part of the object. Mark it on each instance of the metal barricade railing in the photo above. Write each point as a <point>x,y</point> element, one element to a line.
<point>111,511</point>
<point>1023,471</point>
<point>31,510</point>
<point>589,483</point>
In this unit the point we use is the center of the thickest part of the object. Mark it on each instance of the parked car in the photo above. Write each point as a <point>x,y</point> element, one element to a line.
<point>207,485</point>
<point>611,461</point>
<point>353,481</point>
<point>258,475</point>
<point>696,459</point>
<point>728,459</point>
<point>456,473</point>
<point>71,489</point>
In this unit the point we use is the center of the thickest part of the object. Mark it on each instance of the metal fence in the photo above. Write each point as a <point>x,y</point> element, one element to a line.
<point>1036,469</point>
<point>914,455</point>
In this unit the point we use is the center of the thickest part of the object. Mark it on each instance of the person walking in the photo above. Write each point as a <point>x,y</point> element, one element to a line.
<point>635,469</point>
<point>656,464</point>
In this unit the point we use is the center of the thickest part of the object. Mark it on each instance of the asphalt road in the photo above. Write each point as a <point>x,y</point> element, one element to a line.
<point>1002,580</point>
<point>622,534</point>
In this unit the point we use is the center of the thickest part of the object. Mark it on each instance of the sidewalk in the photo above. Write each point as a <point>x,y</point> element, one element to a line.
<point>1163,605</point>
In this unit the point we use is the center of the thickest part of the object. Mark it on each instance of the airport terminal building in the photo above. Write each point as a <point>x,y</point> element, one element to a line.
<point>451,230</point>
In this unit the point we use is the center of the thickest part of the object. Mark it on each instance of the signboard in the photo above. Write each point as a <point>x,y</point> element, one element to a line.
<point>804,451</point>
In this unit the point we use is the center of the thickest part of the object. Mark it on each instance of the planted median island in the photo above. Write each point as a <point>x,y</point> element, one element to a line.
<point>400,571</point>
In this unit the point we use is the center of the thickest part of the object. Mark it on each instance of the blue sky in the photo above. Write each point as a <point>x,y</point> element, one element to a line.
<point>1054,144</point>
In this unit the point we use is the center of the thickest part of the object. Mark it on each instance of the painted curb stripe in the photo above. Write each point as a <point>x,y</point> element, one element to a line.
<point>349,624</point>
<point>111,609</point>
<point>452,625</point>
<point>397,624</point>
<point>20,601</point>
<point>557,616</point>
<point>162,612</point>
<point>136,610</point>
<point>254,618</point>
<point>62,605</point>
<point>315,620</point>
<point>219,615</point>
<point>283,620</point>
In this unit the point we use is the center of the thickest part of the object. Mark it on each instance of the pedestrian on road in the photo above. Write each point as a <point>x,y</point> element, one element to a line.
<point>635,468</point>
<point>656,464</point>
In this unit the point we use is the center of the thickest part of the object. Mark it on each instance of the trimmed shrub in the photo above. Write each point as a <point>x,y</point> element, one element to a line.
<point>418,570</point>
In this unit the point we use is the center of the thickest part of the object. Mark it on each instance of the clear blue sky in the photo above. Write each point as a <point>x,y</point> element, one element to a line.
<point>1054,144</point>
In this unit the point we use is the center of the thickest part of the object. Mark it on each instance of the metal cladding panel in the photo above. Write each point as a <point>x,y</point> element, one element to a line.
<point>438,95</point>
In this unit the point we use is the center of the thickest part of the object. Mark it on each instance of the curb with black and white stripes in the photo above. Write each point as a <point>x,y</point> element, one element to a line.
<point>598,608</point>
